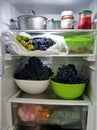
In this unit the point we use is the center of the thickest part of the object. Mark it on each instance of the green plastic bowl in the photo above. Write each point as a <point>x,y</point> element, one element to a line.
<point>68,91</point>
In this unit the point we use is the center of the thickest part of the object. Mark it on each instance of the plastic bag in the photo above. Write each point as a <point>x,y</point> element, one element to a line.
<point>14,47</point>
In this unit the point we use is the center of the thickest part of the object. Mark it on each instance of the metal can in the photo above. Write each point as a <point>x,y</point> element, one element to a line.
<point>67,20</point>
<point>85,19</point>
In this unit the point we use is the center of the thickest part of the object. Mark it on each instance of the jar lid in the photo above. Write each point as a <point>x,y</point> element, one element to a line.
<point>56,21</point>
<point>85,11</point>
<point>68,12</point>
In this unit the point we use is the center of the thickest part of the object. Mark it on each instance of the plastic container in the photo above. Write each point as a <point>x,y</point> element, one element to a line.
<point>67,20</point>
<point>80,45</point>
<point>56,24</point>
<point>85,19</point>
<point>68,91</point>
<point>31,115</point>
<point>32,86</point>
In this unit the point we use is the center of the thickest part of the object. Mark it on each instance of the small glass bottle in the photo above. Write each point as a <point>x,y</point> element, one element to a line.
<point>67,20</point>
<point>85,19</point>
<point>56,24</point>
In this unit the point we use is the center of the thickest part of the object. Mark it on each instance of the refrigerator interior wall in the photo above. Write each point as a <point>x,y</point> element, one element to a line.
<point>8,87</point>
<point>7,11</point>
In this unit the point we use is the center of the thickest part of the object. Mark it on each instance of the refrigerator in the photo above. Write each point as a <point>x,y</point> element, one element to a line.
<point>76,114</point>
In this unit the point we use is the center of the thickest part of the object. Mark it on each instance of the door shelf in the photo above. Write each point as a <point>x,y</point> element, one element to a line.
<point>48,97</point>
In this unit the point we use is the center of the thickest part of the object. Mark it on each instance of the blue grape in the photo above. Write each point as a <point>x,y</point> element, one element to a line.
<point>69,74</point>
<point>42,43</point>
<point>34,70</point>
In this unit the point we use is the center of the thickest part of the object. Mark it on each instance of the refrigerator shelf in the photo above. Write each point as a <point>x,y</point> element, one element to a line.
<point>65,42</point>
<point>77,31</point>
<point>88,57</point>
<point>48,97</point>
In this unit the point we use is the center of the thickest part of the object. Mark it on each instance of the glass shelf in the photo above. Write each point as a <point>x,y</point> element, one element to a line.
<point>49,98</point>
<point>88,57</point>
<point>66,33</point>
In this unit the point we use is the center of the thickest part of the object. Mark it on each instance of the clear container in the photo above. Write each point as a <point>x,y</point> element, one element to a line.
<point>85,19</point>
<point>56,24</point>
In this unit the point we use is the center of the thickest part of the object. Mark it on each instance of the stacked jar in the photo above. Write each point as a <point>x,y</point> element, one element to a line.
<point>67,20</point>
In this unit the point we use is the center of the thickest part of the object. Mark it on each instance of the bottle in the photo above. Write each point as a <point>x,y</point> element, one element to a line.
<point>67,20</point>
<point>85,19</point>
<point>56,24</point>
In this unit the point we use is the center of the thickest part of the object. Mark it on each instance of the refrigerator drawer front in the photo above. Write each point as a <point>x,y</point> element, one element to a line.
<point>42,127</point>
<point>33,115</point>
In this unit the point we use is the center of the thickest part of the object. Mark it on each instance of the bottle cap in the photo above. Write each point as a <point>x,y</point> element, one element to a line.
<point>56,21</point>
<point>85,11</point>
<point>68,12</point>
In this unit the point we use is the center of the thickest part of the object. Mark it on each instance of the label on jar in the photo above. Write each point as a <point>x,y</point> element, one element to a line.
<point>67,23</point>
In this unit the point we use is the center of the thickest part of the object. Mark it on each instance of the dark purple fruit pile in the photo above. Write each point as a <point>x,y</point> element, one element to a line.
<point>42,43</point>
<point>68,74</point>
<point>34,70</point>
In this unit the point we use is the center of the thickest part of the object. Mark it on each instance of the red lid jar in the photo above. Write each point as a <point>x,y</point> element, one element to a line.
<point>85,19</point>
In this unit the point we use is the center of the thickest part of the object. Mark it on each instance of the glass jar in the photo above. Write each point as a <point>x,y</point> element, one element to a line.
<point>85,19</point>
<point>67,20</point>
<point>56,24</point>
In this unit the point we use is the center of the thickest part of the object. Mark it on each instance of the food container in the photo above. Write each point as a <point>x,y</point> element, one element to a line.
<point>32,86</point>
<point>56,24</point>
<point>85,19</point>
<point>31,21</point>
<point>67,20</point>
<point>27,114</point>
<point>80,45</point>
<point>68,91</point>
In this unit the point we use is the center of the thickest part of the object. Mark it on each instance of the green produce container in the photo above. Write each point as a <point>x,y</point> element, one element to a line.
<point>80,45</point>
<point>68,91</point>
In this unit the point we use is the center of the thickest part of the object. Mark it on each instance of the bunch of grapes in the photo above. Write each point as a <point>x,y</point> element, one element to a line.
<point>34,70</point>
<point>68,74</point>
<point>42,43</point>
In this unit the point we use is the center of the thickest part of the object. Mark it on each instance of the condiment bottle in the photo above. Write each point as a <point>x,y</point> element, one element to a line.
<point>85,19</point>
<point>67,20</point>
<point>56,24</point>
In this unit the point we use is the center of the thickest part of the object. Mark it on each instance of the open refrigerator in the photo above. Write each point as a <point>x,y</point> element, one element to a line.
<point>84,109</point>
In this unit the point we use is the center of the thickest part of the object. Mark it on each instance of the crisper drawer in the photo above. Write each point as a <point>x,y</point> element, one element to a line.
<point>46,112</point>
<point>48,116</point>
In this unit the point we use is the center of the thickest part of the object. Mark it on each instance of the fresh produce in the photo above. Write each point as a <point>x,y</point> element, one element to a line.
<point>68,74</point>
<point>29,112</point>
<point>42,43</point>
<point>26,42</point>
<point>33,112</point>
<point>37,43</point>
<point>34,70</point>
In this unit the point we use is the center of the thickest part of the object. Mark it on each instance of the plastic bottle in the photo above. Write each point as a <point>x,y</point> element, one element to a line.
<point>67,20</point>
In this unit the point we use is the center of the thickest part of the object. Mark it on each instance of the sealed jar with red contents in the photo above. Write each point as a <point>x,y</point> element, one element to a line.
<point>85,19</point>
